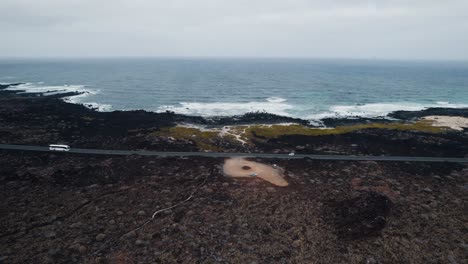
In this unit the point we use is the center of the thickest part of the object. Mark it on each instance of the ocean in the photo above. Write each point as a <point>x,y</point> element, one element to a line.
<point>305,88</point>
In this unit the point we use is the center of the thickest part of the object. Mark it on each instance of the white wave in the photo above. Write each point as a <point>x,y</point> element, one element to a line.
<point>319,116</point>
<point>46,90</point>
<point>276,99</point>
<point>76,99</point>
<point>227,109</point>
<point>49,89</point>
<point>373,110</point>
<point>377,109</point>
<point>449,105</point>
<point>99,107</point>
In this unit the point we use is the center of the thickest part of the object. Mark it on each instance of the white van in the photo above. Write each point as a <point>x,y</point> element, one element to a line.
<point>56,147</point>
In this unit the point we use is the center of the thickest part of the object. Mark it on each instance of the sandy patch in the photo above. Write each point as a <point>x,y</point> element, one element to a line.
<point>241,168</point>
<point>454,122</point>
<point>227,130</point>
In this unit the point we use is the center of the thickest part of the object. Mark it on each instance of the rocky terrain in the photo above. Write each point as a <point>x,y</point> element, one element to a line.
<point>81,209</point>
<point>70,208</point>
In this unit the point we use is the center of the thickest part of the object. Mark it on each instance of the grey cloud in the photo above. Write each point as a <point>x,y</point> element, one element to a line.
<point>393,29</point>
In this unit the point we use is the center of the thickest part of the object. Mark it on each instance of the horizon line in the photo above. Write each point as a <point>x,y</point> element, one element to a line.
<point>235,57</point>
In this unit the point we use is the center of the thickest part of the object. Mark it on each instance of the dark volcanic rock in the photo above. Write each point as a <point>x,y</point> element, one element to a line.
<point>78,197</point>
<point>361,216</point>
<point>334,122</point>
<point>72,121</point>
<point>247,220</point>
<point>406,115</point>
<point>375,142</point>
<point>394,116</point>
<point>254,118</point>
<point>4,86</point>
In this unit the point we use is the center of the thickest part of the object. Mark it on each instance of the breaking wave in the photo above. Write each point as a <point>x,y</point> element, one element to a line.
<point>48,90</point>
<point>277,107</point>
<point>276,99</point>
<point>377,109</point>
<point>272,105</point>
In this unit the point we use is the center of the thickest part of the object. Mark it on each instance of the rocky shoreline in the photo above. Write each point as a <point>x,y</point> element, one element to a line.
<point>70,208</point>
<point>41,120</point>
<point>259,117</point>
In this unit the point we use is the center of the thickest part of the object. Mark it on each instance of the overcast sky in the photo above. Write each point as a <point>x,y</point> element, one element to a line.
<point>389,29</point>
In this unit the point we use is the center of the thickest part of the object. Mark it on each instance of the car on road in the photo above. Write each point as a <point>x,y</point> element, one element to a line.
<point>58,147</point>
<point>291,154</point>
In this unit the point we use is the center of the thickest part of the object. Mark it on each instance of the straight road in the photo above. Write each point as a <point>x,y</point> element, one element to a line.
<point>228,155</point>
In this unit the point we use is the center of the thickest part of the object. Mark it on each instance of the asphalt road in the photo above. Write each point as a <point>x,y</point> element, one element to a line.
<point>227,155</point>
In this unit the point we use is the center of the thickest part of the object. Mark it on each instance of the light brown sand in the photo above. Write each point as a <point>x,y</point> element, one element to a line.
<point>233,167</point>
<point>454,122</point>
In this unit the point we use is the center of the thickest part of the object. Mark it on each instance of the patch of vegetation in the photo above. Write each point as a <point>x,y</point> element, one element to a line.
<point>210,140</point>
<point>275,131</point>
<point>205,140</point>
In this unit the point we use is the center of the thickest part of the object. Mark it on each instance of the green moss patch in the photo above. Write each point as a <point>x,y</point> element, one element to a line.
<point>210,139</point>
<point>205,140</point>
<point>275,131</point>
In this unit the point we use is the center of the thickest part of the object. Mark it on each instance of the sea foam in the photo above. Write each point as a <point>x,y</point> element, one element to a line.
<point>273,105</point>
<point>276,106</point>
<point>276,99</point>
<point>47,90</point>
<point>374,110</point>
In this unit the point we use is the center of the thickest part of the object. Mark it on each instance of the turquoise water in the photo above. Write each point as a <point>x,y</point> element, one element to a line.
<point>309,89</point>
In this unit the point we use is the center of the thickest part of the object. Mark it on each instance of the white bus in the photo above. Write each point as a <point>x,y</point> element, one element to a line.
<point>56,147</point>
